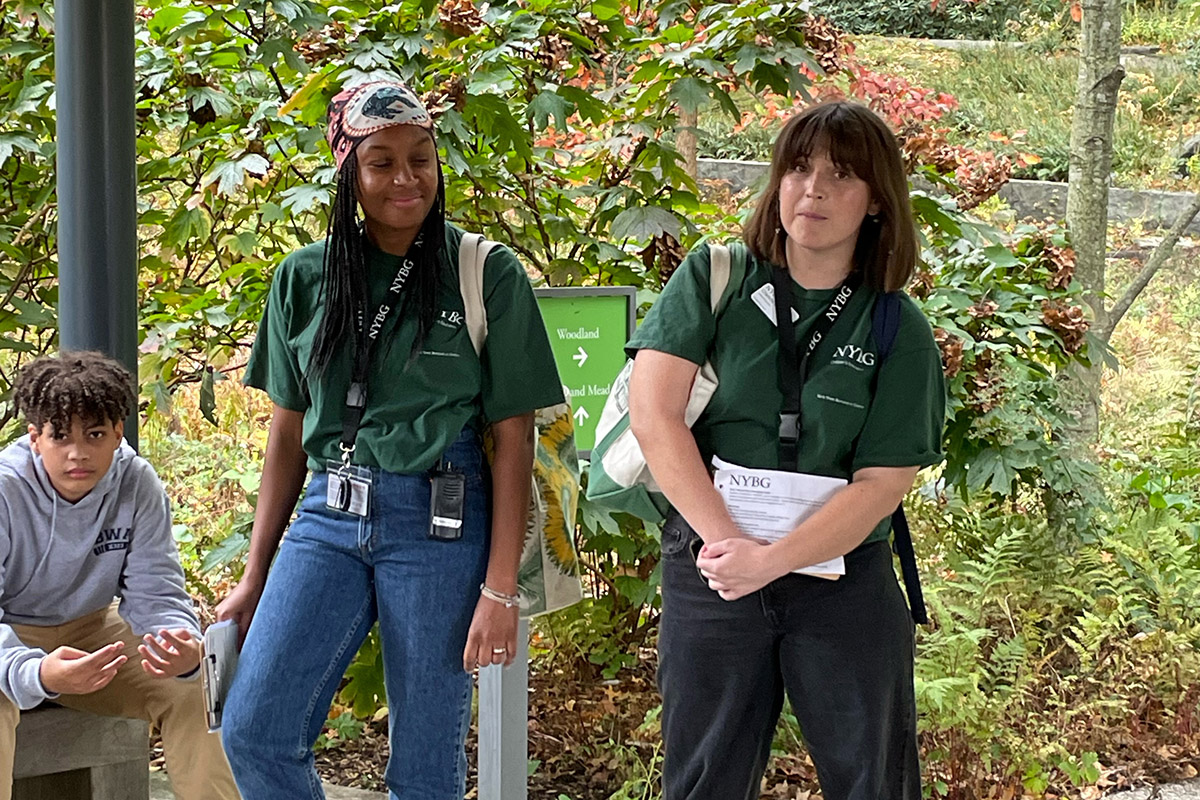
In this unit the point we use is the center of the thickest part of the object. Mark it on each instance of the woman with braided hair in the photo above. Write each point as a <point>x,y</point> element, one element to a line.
<point>379,392</point>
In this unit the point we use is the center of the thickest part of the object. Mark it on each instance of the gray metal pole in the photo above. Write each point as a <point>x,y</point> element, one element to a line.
<point>504,726</point>
<point>97,181</point>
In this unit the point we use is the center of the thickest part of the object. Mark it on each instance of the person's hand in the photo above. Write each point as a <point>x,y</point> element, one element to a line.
<point>67,670</point>
<point>737,566</point>
<point>172,653</point>
<point>492,638</point>
<point>240,606</point>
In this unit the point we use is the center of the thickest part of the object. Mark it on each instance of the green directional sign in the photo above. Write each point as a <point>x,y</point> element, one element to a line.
<point>588,329</point>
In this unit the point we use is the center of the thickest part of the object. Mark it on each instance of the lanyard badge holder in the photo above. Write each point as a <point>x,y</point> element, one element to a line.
<point>349,488</point>
<point>793,366</point>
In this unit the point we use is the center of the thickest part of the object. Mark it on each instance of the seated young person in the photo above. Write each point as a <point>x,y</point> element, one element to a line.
<point>93,610</point>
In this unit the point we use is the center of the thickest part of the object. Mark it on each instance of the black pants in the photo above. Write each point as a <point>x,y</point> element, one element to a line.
<point>842,650</point>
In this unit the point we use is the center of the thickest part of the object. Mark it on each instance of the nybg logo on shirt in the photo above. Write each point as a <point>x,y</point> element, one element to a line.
<point>449,318</point>
<point>854,353</point>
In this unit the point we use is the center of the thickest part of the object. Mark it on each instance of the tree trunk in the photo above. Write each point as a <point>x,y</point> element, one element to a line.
<point>685,141</point>
<point>1100,76</point>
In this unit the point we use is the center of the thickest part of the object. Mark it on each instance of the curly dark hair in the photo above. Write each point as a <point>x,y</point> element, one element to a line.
<point>91,386</point>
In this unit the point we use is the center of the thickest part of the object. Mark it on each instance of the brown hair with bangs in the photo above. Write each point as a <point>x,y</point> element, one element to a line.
<point>858,140</point>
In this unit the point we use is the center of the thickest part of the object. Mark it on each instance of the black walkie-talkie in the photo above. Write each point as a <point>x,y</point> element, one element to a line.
<point>447,501</point>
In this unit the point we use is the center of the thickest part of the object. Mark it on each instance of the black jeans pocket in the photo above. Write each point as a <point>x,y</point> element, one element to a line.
<point>676,535</point>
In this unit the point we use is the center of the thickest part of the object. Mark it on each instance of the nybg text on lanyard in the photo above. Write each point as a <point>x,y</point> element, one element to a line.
<point>356,395</point>
<point>349,487</point>
<point>793,366</point>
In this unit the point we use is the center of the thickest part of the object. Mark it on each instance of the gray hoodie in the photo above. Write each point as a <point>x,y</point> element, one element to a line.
<point>60,561</point>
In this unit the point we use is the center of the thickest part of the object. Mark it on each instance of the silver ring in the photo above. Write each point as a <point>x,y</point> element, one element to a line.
<point>498,650</point>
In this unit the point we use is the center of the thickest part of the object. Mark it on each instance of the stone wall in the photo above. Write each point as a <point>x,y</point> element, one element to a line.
<point>1135,58</point>
<point>1036,199</point>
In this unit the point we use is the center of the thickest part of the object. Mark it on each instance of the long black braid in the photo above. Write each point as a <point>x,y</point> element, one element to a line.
<point>344,281</point>
<point>431,263</point>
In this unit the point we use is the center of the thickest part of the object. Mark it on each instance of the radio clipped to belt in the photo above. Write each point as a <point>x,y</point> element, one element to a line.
<point>447,501</point>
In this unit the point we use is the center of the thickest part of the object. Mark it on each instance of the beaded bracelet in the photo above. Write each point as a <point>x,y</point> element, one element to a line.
<point>507,600</point>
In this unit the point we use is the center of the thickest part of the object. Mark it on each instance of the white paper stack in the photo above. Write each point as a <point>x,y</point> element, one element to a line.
<point>768,504</point>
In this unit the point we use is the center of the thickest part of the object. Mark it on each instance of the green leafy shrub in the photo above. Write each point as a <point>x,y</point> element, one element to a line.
<point>1038,659</point>
<point>952,19</point>
<point>554,120</point>
<point>603,634</point>
<point>1008,322</point>
<point>28,236</point>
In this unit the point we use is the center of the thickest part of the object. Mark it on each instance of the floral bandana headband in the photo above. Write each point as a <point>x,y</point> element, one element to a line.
<point>358,112</point>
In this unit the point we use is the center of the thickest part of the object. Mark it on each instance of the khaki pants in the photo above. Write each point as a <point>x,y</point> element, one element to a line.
<point>195,760</point>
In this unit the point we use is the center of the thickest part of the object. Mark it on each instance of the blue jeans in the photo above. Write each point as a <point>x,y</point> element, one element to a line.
<point>335,575</point>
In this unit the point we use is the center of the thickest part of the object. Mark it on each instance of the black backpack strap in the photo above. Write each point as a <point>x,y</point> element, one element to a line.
<point>885,323</point>
<point>903,546</point>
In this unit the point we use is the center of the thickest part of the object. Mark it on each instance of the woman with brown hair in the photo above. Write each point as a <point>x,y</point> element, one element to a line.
<point>816,394</point>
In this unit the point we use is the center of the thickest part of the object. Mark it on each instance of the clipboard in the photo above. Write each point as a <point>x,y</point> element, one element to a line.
<point>218,663</point>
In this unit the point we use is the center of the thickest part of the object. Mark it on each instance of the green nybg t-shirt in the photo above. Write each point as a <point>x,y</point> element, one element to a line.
<point>414,410</point>
<point>845,426</point>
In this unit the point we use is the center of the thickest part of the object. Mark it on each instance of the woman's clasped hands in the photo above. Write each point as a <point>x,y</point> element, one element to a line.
<point>738,566</point>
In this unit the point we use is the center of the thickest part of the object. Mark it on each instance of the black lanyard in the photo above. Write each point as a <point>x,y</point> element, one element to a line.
<point>793,366</point>
<point>356,395</point>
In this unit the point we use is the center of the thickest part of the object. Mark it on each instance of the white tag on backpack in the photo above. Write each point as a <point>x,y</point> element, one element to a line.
<point>764,298</point>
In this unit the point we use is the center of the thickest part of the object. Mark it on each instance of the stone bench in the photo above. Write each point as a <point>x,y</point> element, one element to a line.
<point>71,755</point>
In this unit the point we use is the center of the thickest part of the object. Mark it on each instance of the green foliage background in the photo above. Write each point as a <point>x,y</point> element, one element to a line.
<point>231,166</point>
<point>951,19</point>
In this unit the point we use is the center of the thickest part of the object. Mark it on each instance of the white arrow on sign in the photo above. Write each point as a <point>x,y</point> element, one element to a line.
<point>581,356</point>
<point>580,415</point>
